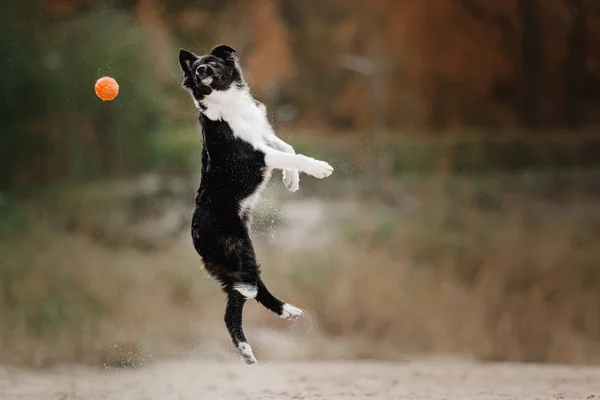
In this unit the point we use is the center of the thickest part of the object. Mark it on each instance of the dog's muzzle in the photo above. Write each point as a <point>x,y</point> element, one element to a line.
<point>204,74</point>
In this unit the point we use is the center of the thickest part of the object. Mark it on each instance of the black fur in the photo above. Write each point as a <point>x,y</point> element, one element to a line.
<point>231,171</point>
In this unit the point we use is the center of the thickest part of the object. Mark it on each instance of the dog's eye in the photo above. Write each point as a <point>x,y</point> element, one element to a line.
<point>212,63</point>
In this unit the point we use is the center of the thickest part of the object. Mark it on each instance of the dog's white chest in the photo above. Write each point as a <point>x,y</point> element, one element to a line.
<point>236,107</point>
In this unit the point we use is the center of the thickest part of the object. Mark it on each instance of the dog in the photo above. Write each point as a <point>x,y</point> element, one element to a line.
<point>239,152</point>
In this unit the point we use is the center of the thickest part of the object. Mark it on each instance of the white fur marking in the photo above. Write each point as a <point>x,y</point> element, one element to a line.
<point>245,352</point>
<point>318,169</point>
<point>248,121</point>
<point>247,204</point>
<point>290,312</point>
<point>237,107</point>
<point>247,290</point>
<point>291,179</point>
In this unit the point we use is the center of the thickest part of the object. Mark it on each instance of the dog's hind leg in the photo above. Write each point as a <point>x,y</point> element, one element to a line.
<point>233,321</point>
<point>284,310</point>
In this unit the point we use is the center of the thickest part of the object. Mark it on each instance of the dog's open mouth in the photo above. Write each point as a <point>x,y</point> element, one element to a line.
<point>207,81</point>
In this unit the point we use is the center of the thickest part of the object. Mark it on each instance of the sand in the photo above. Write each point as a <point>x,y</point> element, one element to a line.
<point>433,379</point>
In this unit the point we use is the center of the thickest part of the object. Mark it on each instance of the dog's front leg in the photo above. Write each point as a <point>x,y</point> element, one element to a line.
<point>286,161</point>
<point>291,177</point>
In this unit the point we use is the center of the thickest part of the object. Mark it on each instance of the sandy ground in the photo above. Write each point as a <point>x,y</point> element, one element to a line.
<point>420,379</point>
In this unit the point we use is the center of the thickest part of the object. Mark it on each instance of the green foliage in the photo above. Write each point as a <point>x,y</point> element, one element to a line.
<point>484,153</point>
<point>19,84</point>
<point>176,150</point>
<point>13,217</point>
<point>52,118</point>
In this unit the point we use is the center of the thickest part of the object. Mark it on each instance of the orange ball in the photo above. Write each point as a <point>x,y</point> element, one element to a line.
<point>106,88</point>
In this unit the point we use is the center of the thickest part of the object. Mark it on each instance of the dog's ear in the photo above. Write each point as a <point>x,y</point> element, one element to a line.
<point>186,59</point>
<point>223,51</point>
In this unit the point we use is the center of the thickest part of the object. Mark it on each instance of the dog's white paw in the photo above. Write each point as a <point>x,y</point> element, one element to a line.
<point>290,312</point>
<point>245,351</point>
<point>318,169</point>
<point>291,179</point>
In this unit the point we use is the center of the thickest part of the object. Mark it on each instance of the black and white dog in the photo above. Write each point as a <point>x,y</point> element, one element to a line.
<point>239,152</point>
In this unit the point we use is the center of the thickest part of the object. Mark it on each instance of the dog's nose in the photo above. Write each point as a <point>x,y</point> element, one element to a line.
<point>202,69</point>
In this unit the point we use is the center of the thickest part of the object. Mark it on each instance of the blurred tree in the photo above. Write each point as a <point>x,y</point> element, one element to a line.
<point>269,63</point>
<point>456,53</point>
<point>533,77</point>
<point>575,71</point>
<point>20,87</point>
<point>373,64</point>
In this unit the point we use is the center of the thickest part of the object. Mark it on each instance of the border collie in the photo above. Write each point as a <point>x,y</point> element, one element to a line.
<point>240,150</point>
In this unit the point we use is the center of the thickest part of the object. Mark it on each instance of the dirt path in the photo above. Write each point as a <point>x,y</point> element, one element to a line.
<point>428,379</point>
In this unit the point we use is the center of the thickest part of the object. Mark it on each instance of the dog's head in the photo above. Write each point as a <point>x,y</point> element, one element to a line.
<point>217,70</point>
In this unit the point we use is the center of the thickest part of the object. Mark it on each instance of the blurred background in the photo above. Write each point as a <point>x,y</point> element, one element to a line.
<point>463,215</point>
